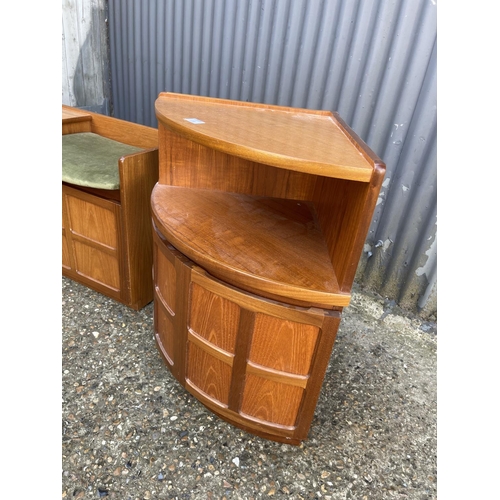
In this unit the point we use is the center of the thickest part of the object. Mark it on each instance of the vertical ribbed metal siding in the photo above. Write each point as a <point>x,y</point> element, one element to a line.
<point>372,61</point>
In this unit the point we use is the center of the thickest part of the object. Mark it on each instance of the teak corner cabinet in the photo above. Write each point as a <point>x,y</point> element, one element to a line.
<point>259,218</point>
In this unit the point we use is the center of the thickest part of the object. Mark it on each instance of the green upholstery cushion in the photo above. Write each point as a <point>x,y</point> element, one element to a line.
<point>91,160</point>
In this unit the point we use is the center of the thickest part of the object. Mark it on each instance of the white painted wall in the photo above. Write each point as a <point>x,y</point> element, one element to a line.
<point>85,63</point>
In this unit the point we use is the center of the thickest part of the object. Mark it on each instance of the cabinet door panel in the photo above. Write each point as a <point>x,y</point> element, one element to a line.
<point>97,265</point>
<point>165,333</point>
<point>165,279</point>
<point>97,223</point>
<point>214,318</point>
<point>251,360</point>
<point>92,242</point>
<point>208,374</point>
<point>283,345</point>
<point>271,402</point>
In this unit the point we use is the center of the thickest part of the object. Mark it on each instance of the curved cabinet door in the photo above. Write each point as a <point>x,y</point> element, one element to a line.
<point>257,363</point>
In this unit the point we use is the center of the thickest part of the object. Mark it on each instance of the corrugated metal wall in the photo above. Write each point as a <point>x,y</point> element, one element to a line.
<point>373,61</point>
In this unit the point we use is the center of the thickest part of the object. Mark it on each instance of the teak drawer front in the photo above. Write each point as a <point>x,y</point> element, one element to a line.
<point>257,363</point>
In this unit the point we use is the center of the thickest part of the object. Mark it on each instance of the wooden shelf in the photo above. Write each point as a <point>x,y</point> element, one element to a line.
<point>265,245</point>
<point>315,142</point>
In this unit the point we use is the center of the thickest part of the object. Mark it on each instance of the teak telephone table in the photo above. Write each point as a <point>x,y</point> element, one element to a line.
<point>259,218</point>
<point>109,169</point>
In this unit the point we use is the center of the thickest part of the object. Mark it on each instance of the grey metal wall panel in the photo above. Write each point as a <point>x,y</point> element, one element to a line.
<point>373,61</point>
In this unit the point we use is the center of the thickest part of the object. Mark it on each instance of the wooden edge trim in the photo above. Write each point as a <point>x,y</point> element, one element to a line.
<point>250,418</point>
<point>162,301</point>
<point>249,152</point>
<point>71,114</point>
<point>246,326</point>
<point>212,349</point>
<point>239,278</point>
<point>94,284</point>
<point>277,375</point>
<point>76,119</point>
<point>359,143</point>
<point>203,396</point>
<point>113,251</point>
<point>112,195</point>
<point>277,160</point>
<point>217,100</point>
<point>125,159</point>
<point>163,351</point>
<point>241,419</point>
<point>254,303</point>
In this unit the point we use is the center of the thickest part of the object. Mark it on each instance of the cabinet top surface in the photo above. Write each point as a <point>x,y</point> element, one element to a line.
<point>73,114</point>
<point>316,142</point>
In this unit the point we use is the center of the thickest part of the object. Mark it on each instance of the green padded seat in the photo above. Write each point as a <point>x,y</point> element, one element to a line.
<point>91,160</point>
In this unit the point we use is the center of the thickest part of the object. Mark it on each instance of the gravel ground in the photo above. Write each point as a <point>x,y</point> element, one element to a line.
<point>130,431</point>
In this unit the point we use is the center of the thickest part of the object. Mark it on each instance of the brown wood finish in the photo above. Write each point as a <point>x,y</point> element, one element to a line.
<point>113,128</point>
<point>138,175</point>
<point>212,169</point>
<point>289,349</point>
<point>214,318</point>
<point>92,237</point>
<point>107,194</point>
<point>228,358</point>
<point>75,120</point>
<point>107,241</point>
<point>259,217</point>
<point>294,139</point>
<point>271,246</point>
<point>165,294</point>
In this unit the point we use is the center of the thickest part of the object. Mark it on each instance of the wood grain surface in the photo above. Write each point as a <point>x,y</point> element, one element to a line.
<point>303,140</point>
<point>268,245</point>
<point>262,212</point>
